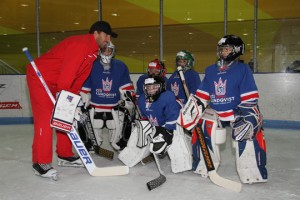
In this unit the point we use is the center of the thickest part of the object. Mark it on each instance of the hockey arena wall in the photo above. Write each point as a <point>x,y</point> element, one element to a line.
<point>279,99</point>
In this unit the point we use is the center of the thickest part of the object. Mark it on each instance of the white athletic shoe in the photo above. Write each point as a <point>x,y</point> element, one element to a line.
<point>45,171</point>
<point>73,161</point>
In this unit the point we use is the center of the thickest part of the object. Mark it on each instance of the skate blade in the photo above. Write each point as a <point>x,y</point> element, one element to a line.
<point>51,174</point>
<point>68,164</point>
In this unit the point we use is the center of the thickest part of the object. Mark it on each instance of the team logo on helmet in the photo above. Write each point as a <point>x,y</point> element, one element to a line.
<point>220,87</point>
<point>106,85</point>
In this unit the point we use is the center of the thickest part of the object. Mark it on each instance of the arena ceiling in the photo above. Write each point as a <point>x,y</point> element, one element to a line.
<point>137,21</point>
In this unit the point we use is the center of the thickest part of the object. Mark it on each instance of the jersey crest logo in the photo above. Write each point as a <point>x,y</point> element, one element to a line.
<point>153,121</point>
<point>220,87</point>
<point>175,88</point>
<point>106,85</point>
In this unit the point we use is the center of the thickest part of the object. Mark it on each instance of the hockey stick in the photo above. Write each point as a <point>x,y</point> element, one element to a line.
<point>214,177</point>
<point>159,180</point>
<point>162,178</point>
<point>75,139</point>
<point>88,128</point>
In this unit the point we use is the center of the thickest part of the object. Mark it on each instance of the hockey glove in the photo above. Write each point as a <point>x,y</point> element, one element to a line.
<point>247,123</point>
<point>161,140</point>
<point>191,113</point>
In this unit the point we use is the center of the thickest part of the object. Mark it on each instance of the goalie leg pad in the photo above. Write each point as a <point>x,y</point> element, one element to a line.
<point>98,125</point>
<point>115,127</point>
<point>180,151</point>
<point>214,136</point>
<point>251,159</point>
<point>132,154</point>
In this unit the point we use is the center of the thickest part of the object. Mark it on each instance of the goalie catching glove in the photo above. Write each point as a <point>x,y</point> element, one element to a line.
<point>247,123</point>
<point>161,140</point>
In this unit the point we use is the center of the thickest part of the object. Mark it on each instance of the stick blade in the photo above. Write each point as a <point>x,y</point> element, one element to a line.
<point>223,182</point>
<point>110,171</point>
<point>156,182</point>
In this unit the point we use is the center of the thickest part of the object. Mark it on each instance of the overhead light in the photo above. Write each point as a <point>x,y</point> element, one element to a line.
<point>240,19</point>
<point>24,5</point>
<point>188,19</point>
<point>150,36</point>
<point>114,14</point>
<point>95,10</point>
<point>23,28</point>
<point>245,33</point>
<point>190,33</point>
<point>76,23</point>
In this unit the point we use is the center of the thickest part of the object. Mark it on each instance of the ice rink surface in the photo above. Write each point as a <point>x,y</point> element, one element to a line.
<point>18,181</point>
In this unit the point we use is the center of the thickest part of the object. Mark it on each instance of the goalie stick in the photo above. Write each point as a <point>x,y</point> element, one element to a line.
<point>88,128</point>
<point>159,180</point>
<point>75,139</point>
<point>162,178</point>
<point>212,173</point>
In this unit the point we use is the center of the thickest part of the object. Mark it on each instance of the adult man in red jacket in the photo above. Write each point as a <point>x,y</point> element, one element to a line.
<point>64,67</point>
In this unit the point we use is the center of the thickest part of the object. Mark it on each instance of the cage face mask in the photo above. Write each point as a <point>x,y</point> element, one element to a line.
<point>107,53</point>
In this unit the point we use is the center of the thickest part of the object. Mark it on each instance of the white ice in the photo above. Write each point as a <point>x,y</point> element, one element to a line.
<point>19,182</point>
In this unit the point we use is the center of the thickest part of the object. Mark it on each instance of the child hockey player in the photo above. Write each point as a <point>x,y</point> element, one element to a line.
<point>229,89</point>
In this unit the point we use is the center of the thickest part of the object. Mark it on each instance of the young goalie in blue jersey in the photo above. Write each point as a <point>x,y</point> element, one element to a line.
<point>103,90</point>
<point>157,131</point>
<point>230,90</point>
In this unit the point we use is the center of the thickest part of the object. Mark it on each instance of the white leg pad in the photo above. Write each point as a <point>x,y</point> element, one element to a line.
<point>115,127</point>
<point>247,165</point>
<point>180,152</point>
<point>132,155</point>
<point>99,135</point>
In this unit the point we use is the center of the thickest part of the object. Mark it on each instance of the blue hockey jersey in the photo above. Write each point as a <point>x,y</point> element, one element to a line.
<point>162,112</point>
<point>104,85</point>
<point>175,85</point>
<point>227,89</point>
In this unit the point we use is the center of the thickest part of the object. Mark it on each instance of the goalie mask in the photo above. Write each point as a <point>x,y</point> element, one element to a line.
<point>156,67</point>
<point>185,59</point>
<point>153,87</point>
<point>107,53</point>
<point>247,123</point>
<point>230,47</point>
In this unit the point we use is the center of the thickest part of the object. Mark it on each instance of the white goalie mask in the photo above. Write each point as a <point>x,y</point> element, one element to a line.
<point>107,53</point>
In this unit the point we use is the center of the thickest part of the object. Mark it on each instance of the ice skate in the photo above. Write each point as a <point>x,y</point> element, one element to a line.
<point>45,171</point>
<point>73,161</point>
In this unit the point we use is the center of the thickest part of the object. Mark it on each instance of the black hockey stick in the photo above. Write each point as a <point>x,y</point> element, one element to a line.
<point>75,138</point>
<point>214,177</point>
<point>159,180</point>
<point>88,128</point>
<point>162,178</point>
